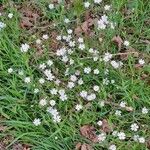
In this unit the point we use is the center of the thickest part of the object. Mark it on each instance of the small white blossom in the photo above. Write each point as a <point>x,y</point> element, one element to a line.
<point>43,102</point>
<point>141,62</point>
<point>136,138</point>
<point>97,1</point>
<point>80,40</point>
<point>59,38</point>
<point>112,147</point>
<point>118,113</point>
<point>141,140</point>
<point>123,104</point>
<point>86,4</point>
<point>78,107</point>
<point>10,70</point>
<point>21,73</point>
<point>51,6</point>
<point>102,104</point>
<point>37,122</point>
<point>70,85</point>
<point>134,127</point>
<point>53,91</point>
<point>41,81</point>
<point>49,62</point>
<point>144,110</point>
<point>73,78</point>
<point>87,70</point>
<point>115,133</point>
<point>80,81</point>
<point>66,20</point>
<point>38,41</point>
<point>69,31</point>
<point>83,94</point>
<point>126,43</point>
<point>107,7</point>
<point>2,25</point>
<point>10,15</point>
<point>42,66</point>
<point>27,80</point>
<point>121,135</point>
<point>24,47</point>
<point>45,36</point>
<point>96,71</point>
<point>107,57</point>
<point>91,97</point>
<point>99,123</point>
<point>102,137</point>
<point>81,46</point>
<point>36,91</point>
<point>96,88</point>
<point>52,102</point>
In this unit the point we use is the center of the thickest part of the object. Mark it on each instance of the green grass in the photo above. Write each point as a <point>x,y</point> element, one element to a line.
<point>19,106</point>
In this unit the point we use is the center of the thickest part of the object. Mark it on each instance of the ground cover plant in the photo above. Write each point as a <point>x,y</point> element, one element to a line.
<point>74,75</point>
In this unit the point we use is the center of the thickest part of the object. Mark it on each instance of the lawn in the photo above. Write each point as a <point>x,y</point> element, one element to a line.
<point>74,75</point>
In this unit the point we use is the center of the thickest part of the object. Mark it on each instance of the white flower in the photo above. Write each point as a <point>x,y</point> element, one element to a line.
<point>112,81</point>
<point>86,4</point>
<point>134,127</point>
<point>42,66</point>
<point>87,70</point>
<point>63,97</point>
<point>97,1</point>
<point>27,80</point>
<point>41,81</point>
<point>69,31</point>
<point>96,88</point>
<point>53,91</point>
<point>101,24</point>
<point>121,135</point>
<point>73,78</point>
<point>24,48</point>
<point>66,20</point>
<point>52,102</point>
<point>43,102</point>
<point>126,43</point>
<point>102,137</point>
<point>141,62</point>
<point>45,36</point>
<point>58,38</point>
<point>49,62</point>
<point>81,46</point>
<point>2,25</point>
<point>36,91</point>
<point>70,85</point>
<point>65,58</point>
<point>112,147</point>
<point>118,113</point>
<point>136,138</point>
<point>61,91</point>
<point>51,6</point>
<point>21,72</point>
<point>57,82</point>
<point>96,71</point>
<point>115,64</point>
<point>99,123</point>
<point>91,97</point>
<point>106,81</point>
<point>80,81</point>
<point>38,41</point>
<point>37,122</point>
<point>80,40</point>
<point>107,57</point>
<point>107,7</point>
<point>10,15</point>
<point>141,140</point>
<point>115,133</point>
<point>71,61</point>
<point>123,104</point>
<point>61,52</point>
<point>91,50</point>
<point>10,70</point>
<point>72,43</point>
<point>83,94</point>
<point>144,110</point>
<point>78,107</point>
<point>102,104</point>
<point>49,75</point>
